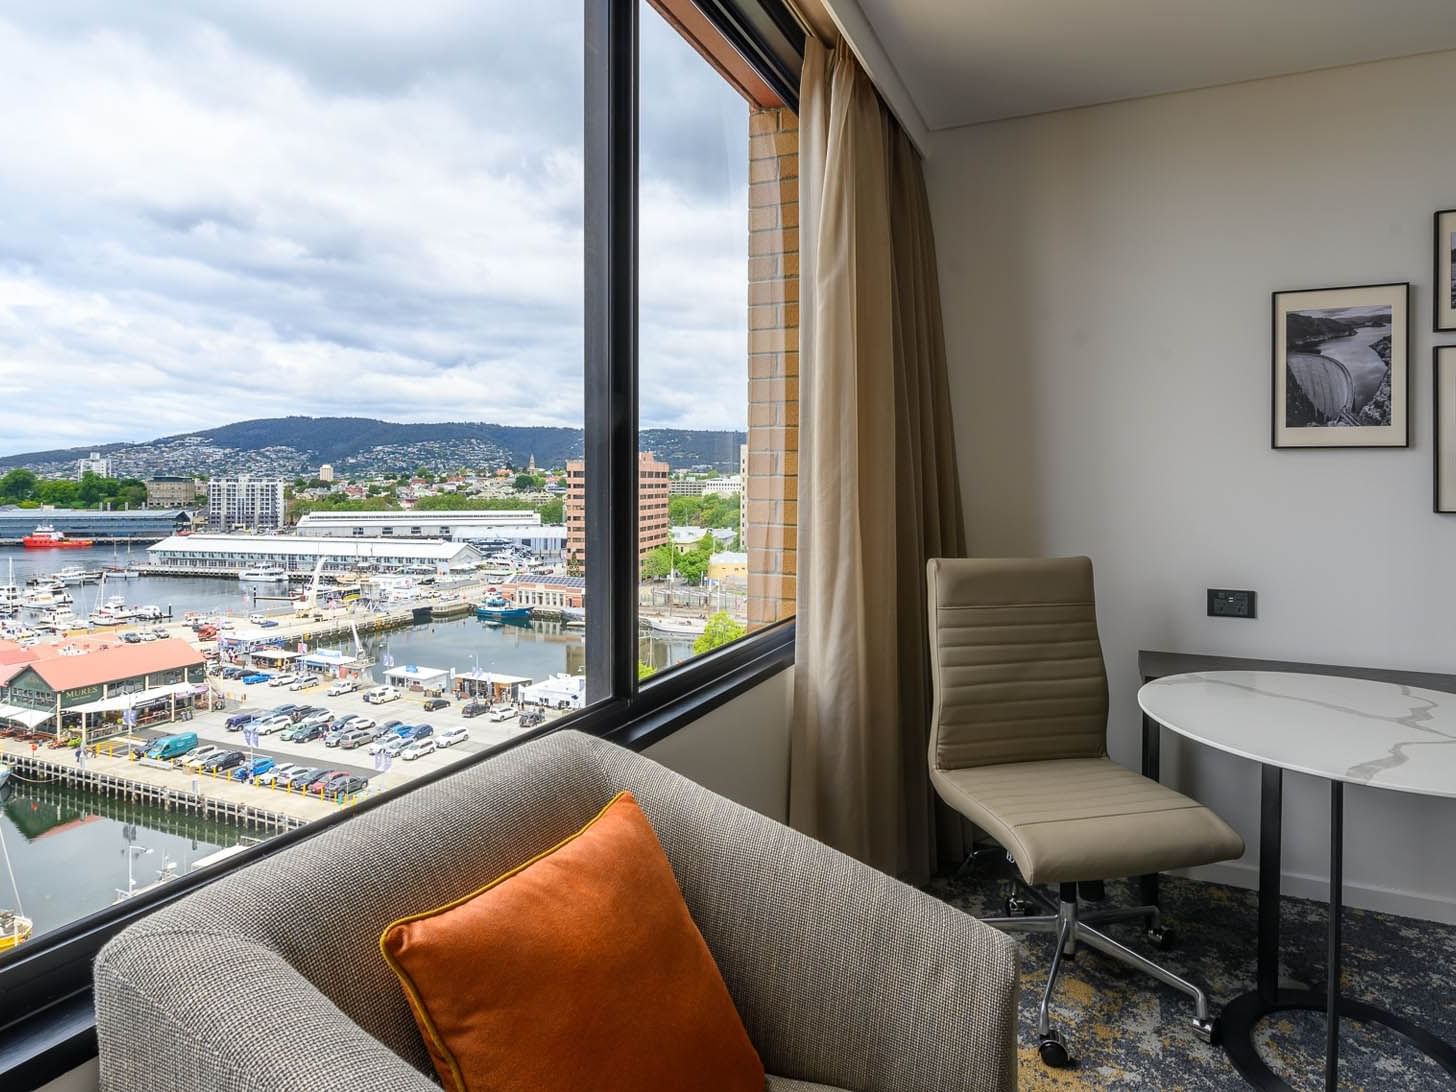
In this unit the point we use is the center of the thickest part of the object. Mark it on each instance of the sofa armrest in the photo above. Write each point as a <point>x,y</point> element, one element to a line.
<point>182,1011</point>
<point>842,975</point>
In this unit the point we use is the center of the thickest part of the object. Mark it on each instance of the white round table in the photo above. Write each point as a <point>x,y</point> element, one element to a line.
<point>1346,731</point>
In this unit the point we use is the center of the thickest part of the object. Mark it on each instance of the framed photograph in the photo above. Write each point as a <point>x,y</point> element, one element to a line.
<point>1443,371</point>
<point>1341,367</point>
<point>1443,285</point>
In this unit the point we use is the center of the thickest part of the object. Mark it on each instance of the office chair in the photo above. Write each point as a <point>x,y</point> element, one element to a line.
<point>1018,745</point>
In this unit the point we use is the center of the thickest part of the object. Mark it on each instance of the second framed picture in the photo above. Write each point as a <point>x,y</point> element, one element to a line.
<point>1341,367</point>
<point>1443,379</point>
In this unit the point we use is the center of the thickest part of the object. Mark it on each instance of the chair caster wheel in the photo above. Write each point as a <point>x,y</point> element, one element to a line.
<point>1164,938</point>
<point>1054,1050</point>
<point>1211,1031</point>
<point>1015,908</point>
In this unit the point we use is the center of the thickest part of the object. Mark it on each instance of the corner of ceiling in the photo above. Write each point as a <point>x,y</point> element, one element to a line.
<point>852,22</point>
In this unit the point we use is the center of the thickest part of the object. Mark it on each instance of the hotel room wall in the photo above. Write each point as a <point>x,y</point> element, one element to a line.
<point>1106,276</point>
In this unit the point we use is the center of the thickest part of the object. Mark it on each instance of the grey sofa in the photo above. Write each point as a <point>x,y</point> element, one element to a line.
<point>270,979</point>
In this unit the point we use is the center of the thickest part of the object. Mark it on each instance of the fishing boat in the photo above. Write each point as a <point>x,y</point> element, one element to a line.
<point>46,537</point>
<point>499,609</point>
<point>15,929</point>
<point>263,574</point>
<point>46,595</point>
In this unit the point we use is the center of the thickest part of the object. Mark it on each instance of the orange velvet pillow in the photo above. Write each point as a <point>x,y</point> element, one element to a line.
<point>580,970</point>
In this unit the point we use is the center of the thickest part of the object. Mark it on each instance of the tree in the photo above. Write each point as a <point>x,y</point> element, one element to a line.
<point>553,511</point>
<point>525,482</point>
<point>58,492</point>
<point>657,563</point>
<point>692,565</point>
<point>130,493</point>
<point>720,630</point>
<point>645,671</point>
<point>17,485</point>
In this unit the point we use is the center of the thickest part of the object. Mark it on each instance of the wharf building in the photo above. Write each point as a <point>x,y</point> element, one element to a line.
<point>124,525</point>
<point>652,495</point>
<point>95,691</point>
<point>252,504</point>
<point>299,555</point>
<point>487,528</point>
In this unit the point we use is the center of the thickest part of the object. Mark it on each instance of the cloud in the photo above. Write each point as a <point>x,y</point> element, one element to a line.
<point>342,209</point>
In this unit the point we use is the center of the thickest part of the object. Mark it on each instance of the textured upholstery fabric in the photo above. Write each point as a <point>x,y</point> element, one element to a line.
<point>788,1084</point>
<point>269,980</point>
<point>1016,662</point>
<point>1018,730</point>
<point>1071,819</point>
<point>581,969</point>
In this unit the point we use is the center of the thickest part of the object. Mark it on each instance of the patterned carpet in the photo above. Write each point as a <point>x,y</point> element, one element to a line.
<point>1128,1032</point>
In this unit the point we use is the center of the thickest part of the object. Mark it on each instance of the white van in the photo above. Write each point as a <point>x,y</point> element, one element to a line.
<point>381,694</point>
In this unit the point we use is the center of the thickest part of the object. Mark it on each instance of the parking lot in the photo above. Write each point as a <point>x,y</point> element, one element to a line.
<point>482,732</point>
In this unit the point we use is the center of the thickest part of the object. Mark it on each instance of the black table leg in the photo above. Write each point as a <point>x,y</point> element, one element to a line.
<point>1242,1013</point>
<point>1332,985</point>
<point>1152,763</point>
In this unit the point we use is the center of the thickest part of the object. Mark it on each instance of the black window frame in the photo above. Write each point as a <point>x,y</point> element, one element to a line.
<point>46,1023</point>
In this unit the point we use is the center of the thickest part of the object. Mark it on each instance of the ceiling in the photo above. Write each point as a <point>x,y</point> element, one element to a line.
<point>968,61</point>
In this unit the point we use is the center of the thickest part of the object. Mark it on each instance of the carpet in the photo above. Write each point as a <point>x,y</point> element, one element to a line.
<point>1127,1031</point>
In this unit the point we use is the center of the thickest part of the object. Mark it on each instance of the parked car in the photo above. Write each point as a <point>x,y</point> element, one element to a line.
<point>503,713</point>
<point>436,703</point>
<point>531,719</point>
<point>360,722</point>
<point>238,720</point>
<point>198,756</point>
<point>451,736</point>
<point>278,774</point>
<point>355,737</point>
<point>381,694</point>
<point>341,783</point>
<point>132,638</point>
<point>223,761</point>
<point>267,623</point>
<point>339,688</point>
<point>418,749</point>
<point>255,677</point>
<point>257,619</point>
<point>320,785</point>
<point>302,777</point>
<point>301,712</point>
<point>302,734</point>
<point>322,720</point>
<point>474,709</point>
<point>283,680</point>
<point>305,682</point>
<point>178,746</point>
<point>249,771</point>
<point>391,745</point>
<point>275,723</point>
<point>420,731</point>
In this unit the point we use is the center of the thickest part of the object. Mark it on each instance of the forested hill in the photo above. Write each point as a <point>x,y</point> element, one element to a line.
<point>292,445</point>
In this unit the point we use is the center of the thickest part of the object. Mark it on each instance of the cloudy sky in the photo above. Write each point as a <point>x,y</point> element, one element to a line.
<point>221,209</point>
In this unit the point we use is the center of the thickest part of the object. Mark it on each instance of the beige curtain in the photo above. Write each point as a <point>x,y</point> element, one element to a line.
<point>878,486</point>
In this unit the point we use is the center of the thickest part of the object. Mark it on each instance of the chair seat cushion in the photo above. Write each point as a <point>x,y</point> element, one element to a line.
<point>788,1084</point>
<point>1072,819</point>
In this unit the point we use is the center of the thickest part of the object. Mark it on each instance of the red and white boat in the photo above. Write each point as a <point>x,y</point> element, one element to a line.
<point>46,537</point>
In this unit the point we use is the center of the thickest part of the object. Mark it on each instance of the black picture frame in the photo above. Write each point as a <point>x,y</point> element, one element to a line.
<point>1443,284</point>
<point>1443,430</point>
<point>1332,419</point>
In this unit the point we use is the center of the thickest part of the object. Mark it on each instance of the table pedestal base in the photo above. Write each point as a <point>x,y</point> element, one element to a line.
<point>1243,1012</point>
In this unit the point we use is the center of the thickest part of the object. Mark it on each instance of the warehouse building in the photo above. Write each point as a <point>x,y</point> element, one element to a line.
<point>214,555</point>
<point>488,528</point>
<point>126,525</point>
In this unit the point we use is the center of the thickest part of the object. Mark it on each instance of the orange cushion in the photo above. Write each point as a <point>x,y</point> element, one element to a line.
<point>580,969</point>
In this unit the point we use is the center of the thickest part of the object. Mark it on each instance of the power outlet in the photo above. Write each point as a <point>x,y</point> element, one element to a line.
<point>1224,603</point>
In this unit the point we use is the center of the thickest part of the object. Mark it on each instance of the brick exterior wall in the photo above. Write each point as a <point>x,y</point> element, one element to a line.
<point>770,504</point>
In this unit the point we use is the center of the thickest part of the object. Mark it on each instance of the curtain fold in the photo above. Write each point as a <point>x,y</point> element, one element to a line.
<point>879,491</point>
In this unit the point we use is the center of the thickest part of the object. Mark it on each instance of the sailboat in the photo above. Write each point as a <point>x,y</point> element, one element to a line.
<point>15,927</point>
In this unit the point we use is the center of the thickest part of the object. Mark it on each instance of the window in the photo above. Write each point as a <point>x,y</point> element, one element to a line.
<point>360,289</point>
<point>718,315</point>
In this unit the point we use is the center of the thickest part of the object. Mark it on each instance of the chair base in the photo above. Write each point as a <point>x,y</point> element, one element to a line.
<point>1073,927</point>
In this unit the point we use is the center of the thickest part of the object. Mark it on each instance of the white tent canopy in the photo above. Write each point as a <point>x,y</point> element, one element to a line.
<point>121,702</point>
<point>28,717</point>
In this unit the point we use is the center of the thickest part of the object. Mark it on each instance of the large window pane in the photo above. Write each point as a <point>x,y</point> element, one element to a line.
<point>718,342</point>
<point>291,291</point>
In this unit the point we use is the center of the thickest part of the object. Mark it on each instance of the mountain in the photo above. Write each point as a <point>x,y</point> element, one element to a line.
<point>290,446</point>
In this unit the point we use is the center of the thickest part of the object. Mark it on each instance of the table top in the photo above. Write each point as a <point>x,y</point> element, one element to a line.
<point>1385,735</point>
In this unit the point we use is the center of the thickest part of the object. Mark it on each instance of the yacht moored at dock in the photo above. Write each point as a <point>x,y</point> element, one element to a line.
<point>264,574</point>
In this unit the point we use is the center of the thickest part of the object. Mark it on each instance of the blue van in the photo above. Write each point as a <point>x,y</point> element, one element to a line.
<point>172,746</point>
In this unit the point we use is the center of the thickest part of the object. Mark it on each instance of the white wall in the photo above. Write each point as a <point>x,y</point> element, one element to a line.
<point>1106,276</point>
<point>740,749</point>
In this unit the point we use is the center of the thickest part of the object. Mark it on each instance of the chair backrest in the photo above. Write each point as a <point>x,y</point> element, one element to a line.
<point>1015,660</point>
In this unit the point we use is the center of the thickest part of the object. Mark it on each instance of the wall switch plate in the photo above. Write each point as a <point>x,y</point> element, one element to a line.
<point>1224,603</point>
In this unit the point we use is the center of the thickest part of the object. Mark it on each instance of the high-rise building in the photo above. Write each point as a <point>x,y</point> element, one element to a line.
<point>326,473</point>
<point>96,463</point>
<point>171,491</point>
<point>651,506</point>
<point>254,504</point>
